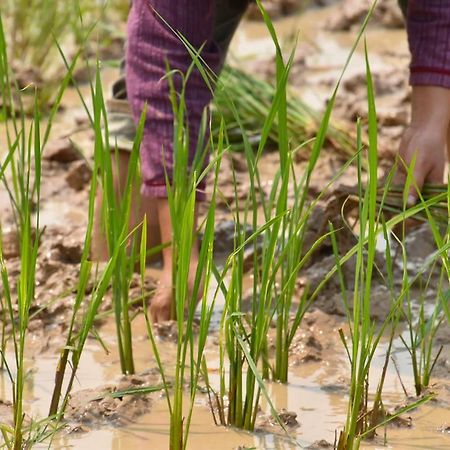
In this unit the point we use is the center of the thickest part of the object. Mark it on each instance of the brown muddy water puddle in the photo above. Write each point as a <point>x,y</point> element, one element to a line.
<point>317,391</point>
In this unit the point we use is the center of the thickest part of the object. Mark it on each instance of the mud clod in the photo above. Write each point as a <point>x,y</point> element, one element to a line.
<point>225,233</point>
<point>353,13</point>
<point>322,443</point>
<point>6,412</point>
<point>68,251</point>
<point>61,150</point>
<point>288,419</point>
<point>79,175</point>
<point>10,243</point>
<point>94,407</point>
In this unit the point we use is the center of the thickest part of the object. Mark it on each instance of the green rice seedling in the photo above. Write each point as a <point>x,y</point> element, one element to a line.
<point>182,193</point>
<point>421,330</point>
<point>116,214</point>
<point>253,98</point>
<point>83,315</point>
<point>362,421</point>
<point>290,236</point>
<point>421,333</point>
<point>33,27</point>
<point>232,342</point>
<point>24,160</point>
<point>439,211</point>
<point>182,202</point>
<point>25,285</point>
<point>364,338</point>
<point>20,174</point>
<point>245,334</point>
<point>182,199</point>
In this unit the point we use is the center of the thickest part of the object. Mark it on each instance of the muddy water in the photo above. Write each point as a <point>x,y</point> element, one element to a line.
<point>316,393</point>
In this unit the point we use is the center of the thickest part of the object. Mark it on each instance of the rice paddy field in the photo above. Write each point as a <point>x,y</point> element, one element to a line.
<point>322,318</point>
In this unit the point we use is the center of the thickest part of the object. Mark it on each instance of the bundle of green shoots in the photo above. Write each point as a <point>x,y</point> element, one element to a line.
<point>436,194</point>
<point>115,211</point>
<point>245,335</point>
<point>253,98</point>
<point>188,293</point>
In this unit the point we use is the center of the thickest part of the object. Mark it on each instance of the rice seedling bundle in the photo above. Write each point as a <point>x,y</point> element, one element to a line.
<point>252,97</point>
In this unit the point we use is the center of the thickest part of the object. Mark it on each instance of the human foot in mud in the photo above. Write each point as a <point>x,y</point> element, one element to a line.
<point>161,303</point>
<point>159,228</point>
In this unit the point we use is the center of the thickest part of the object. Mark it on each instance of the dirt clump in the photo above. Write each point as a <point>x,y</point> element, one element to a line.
<point>322,443</point>
<point>311,343</point>
<point>417,254</point>
<point>63,246</point>
<point>266,423</point>
<point>352,12</point>
<point>442,368</point>
<point>105,405</point>
<point>168,330</point>
<point>6,412</point>
<point>393,95</point>
<point>225,234</point>
<point>10,243</point>
<point>330,299</point>
<point>275,8</point>
<point>79,175</point>
<point>401,422</point>
<point>61,150</point>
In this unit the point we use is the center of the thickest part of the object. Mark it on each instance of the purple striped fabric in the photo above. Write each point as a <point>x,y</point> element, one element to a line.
<point>428,24</point>
<point>150,45</point>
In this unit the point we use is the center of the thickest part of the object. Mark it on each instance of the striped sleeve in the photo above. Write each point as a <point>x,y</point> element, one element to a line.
<point>428,24</point>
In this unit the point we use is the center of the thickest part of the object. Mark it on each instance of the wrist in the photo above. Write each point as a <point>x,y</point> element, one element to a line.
<point>430,108</point>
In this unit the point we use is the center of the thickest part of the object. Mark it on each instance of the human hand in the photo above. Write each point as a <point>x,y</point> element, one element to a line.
<point>426,145</point>
<point>425,138</point>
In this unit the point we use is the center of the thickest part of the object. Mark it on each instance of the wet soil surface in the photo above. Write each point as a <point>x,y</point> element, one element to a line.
<point>313,405</point>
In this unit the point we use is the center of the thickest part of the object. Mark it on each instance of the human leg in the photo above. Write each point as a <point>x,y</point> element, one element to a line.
<point>425,139</point>
<point>122,132</point>
<point>140,207</point>
<point>151,45</point>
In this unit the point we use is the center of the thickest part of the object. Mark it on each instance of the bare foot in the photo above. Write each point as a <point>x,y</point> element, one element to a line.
<point>161,302</point>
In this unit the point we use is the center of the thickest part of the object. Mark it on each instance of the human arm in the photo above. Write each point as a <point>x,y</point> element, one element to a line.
<point>428,26</point>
